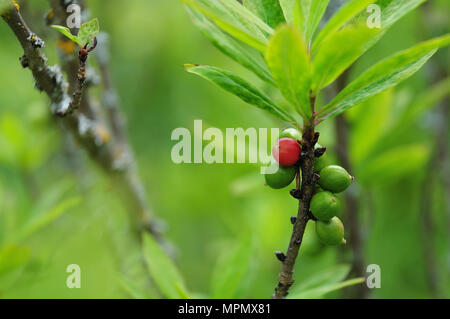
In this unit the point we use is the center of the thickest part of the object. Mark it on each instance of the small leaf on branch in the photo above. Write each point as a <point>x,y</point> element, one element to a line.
<point>391,12</point>
<point>268,10</point>
<point>348,11</point>
<point>382,76</point>
<point>307,16</point>
<point>289,62</point>
<point>86,35</point>
<point>338,52</point>
<point>239,87</point>
<point>65,31</point>
<point>88,31</point>
<point>244,55</point>
<point>241,30</point>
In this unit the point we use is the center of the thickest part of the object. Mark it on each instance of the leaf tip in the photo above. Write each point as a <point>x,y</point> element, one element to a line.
<point>188,66</point>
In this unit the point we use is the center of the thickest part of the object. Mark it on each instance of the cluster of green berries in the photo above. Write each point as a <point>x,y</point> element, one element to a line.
<point>332,179</point>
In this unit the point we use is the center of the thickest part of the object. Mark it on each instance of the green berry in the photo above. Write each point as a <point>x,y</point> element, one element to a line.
<point>320,162</point>
<point>291,133</point>
<point>335,179</point>
<point>282,177</point>
<point>330,232</point>
<point>324,206</point>
<point>311,244</point>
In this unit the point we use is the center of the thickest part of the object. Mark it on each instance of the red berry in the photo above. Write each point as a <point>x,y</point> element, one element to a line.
<point>286,151</point>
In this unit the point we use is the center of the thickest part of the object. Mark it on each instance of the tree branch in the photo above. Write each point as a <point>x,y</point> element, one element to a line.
<point>121,163</point>
<point>48,78</point>
<point>86,125</point>
<point>118,129</point>
<point>305,194</point>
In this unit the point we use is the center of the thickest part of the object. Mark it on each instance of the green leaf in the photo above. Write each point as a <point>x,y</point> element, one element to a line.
<point>328,276</point>
<point>338,52</point>
<point>65,31</point>
<point>42,220</point>
<point>319,284</point>
<point>231,270</point>
<point>391,12</point>
<point>346,12</point>
<point>268,10</point>
<point>424,102</point>
<point>321,291</point>
<point>421,104</point>
<point>247,57</point>
<point>229,25</point>
<point>382,76</point>
<point>309,15</point>
<point>239,87</point>
<point>393,164</point>
<point>246,17</point>
<point>394,10</point>
<point>162,270</point>
<point>289,62</point>
<point>88,31</point>
<point>371,121</point>
<point>288,9</point>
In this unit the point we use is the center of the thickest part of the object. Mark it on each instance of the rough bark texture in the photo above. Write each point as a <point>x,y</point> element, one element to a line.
<point>285,278</point>
<point>91,131</point>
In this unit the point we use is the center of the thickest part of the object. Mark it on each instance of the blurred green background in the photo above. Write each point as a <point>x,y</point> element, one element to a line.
<point>210,209</point>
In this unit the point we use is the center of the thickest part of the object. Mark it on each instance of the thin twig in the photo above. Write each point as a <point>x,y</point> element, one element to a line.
<point>81,80</point>
<point>305,192</point>
<point>78,93</point>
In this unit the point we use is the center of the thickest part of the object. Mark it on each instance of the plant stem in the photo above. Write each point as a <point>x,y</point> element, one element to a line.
<point>285,278</point>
